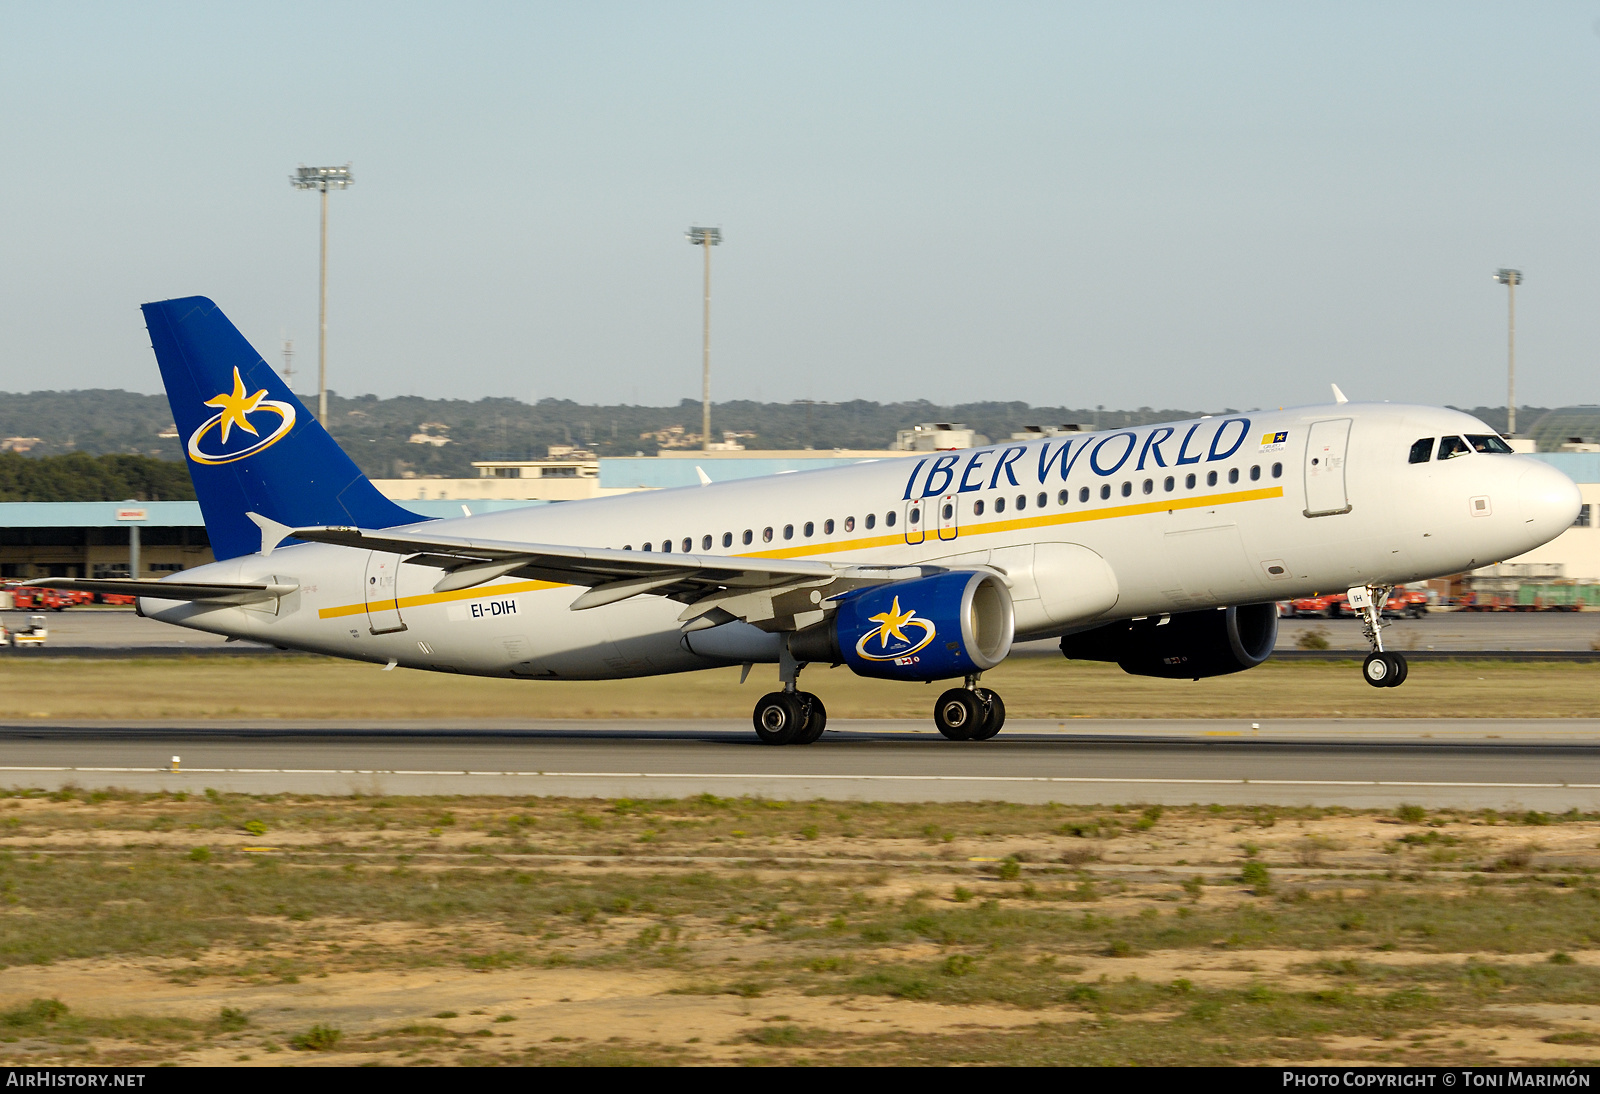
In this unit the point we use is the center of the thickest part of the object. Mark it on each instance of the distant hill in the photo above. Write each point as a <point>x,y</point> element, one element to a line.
<point>377,432</point>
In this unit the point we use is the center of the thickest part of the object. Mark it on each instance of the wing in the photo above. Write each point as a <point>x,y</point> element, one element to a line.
<point>775,594</point>
<point>210,592</point>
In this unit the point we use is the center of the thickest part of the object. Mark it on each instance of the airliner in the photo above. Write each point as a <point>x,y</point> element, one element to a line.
<point>1161,548</point>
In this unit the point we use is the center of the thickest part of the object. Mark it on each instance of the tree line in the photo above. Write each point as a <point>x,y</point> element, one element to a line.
<point>78,476</point>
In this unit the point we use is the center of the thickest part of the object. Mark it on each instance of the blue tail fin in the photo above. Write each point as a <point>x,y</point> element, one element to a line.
<point>251,445</point>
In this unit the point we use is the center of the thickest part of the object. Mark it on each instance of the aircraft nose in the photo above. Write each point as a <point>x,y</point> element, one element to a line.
<point>1548,501</point>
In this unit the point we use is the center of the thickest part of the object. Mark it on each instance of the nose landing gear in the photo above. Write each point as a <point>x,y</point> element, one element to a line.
<point>1381,669</point>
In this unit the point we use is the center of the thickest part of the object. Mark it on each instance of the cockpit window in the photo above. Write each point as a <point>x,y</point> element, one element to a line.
<point>1422,450</point>
<point>1451,447</point>
<point>1488,442</point>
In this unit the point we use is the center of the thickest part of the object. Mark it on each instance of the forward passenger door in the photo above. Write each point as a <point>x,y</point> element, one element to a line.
<point>1325,465</point>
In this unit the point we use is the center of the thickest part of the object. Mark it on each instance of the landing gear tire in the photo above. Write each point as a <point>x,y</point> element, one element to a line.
<point>779,717</point>
<point>1376,670</point>
<point>1385,670</point>
<point>994,714</point>
<point>959,714</point>
<point>1401,669</point>
<point>816,719</point>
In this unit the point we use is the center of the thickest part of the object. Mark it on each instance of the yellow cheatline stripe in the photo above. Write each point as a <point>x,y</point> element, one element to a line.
<point>475,593</point>
<point>965,532</point>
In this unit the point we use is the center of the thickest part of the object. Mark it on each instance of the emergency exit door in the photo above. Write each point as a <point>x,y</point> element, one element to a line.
<point>1325,466</point>
<point>915,511</point>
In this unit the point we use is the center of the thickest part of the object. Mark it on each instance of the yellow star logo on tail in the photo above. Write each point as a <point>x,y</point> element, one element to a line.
<point>892,620</point>
<point>237,407</point>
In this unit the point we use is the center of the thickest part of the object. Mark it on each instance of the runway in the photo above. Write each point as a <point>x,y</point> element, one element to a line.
<point>1550,765</point>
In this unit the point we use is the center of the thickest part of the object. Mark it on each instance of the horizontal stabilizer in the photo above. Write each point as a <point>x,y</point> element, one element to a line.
<point>212,593</point>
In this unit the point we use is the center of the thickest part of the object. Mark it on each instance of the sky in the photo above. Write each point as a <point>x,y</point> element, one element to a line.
<point>1131,204</point>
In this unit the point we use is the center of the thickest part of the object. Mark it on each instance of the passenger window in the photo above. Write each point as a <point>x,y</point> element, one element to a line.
<point>1188,482</point>
<point>688,544</point>
<point>727,539</point>
<point>948,511</point>
<point>1211,478</point>
<point>888,519</point>
<point>1042,500</point>
<point>1168,483</point>
<point>747,537</point>
<point>705,542</point>
<point>872,520</point>
<point>788,531</point>
<point>1451,447</point>
<point>1421,450</point>
<point>1488,442</point>
<point>1255,472</point>
<point>1277,470</point>
<point>916,515</point>
<point>1063,497</point>
<point>766,534</point>
<point>849,524</point>
<point>1149,486</point>
<point>1105,491</point>
<point>666,546</point>
<point>1127,489</point>
<point>1022,502</point>
<point>999,505</point>
<point>977,508</point>
<point>1083,494</point>
<point>1233,474</point>
<point>646,547</point>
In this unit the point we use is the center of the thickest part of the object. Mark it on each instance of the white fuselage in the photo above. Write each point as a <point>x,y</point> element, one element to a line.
<point>1073,557</point>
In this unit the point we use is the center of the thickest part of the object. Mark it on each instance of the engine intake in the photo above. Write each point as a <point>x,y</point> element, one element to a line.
<point>1189,645</point>
<point>929,628</point>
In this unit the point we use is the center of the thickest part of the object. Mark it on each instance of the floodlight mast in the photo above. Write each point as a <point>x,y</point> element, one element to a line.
<point>707,238</point>
<point>323,179</point>
<point>1510,279</point>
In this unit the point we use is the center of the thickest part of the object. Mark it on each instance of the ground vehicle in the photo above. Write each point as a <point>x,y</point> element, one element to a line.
<point>55,600</point>
<point>1323,605</point>
<point>1406,604</point>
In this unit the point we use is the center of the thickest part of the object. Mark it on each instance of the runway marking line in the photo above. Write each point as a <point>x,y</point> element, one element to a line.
<point>845,778</point>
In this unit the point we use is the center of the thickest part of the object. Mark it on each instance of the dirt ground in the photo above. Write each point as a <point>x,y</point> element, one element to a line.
<point>221,687</point>
<point>226,929</point>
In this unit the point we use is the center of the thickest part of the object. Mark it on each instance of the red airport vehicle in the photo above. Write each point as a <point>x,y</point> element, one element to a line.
<point>1402,604</point>
<point>1323,605</point>
<point>28,598</point>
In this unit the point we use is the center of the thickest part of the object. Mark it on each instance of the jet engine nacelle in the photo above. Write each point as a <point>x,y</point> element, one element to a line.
<point>1189,645</point>
<point>929,628</point>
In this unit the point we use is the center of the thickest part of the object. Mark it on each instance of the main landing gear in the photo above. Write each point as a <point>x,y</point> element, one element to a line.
<point>795,717</point>
<point>790,716</point>
<point>1381,669</point>
<point>969,713</point>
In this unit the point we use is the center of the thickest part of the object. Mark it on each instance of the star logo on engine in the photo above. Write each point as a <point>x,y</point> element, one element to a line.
<point>890,638</point>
